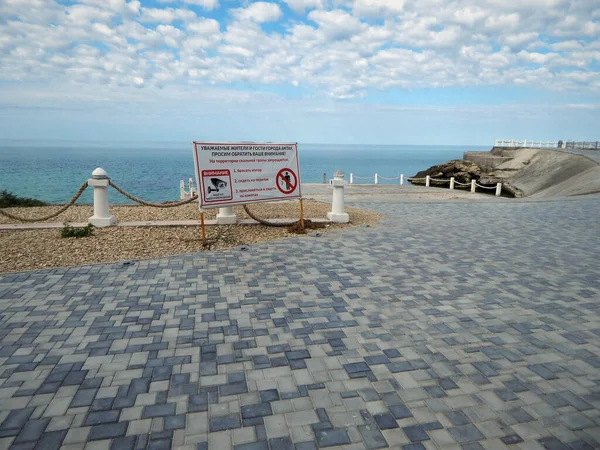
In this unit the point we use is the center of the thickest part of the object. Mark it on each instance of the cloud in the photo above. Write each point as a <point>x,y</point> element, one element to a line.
<point>166,15</point>
<point>209,5</point>
<point>259,12</point>
<point>338,48</point>
<point>300,6</point>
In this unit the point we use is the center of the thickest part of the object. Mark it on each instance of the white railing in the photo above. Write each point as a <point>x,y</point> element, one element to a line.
<point>474,185</point>
<point>525,143</point>
<point>376,178</point>
<point>183,194</point>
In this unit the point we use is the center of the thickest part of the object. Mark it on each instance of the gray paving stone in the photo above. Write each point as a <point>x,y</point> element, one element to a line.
<point>385,421</point>
<point>512,439</point>
<point>261,445</point>
<point>32,431</point>
<point>108,431</point>
<point>257,410</point>
<point>281,443</point>
<point>97,418</point>
<point>52,440</point>
<point>552,443</point>
<point>167,409</point>
<point>466,433</point>
<point>416,433</point>
<point>332,437</point>
<point>269,395</point>
<point>400,411</point>
<point>225,423</point>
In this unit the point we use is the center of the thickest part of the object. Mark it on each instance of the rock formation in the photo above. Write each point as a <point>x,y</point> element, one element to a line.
<point>462,171</point>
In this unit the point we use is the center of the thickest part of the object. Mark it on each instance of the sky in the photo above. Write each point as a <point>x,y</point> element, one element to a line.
<point>322,71</point>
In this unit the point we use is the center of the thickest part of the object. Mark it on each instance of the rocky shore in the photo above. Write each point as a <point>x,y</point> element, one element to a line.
<point>523,172</point>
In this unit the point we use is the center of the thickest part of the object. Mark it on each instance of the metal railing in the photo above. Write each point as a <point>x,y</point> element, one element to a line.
<point>594,145</point>
<point>526,143</point>
<point>376,178</point>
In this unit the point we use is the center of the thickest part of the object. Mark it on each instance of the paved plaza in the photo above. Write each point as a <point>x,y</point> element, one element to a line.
<point>450,325</point>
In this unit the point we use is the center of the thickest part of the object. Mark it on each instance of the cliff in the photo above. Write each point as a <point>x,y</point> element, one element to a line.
<point>523,172</point>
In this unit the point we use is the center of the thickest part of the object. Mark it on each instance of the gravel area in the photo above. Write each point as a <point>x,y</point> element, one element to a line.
<point>42,249</point>
<point>132,213</point>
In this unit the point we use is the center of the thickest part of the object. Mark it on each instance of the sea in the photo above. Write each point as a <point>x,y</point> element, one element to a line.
<point>52,171</point>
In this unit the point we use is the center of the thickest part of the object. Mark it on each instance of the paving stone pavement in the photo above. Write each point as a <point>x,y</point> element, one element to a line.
<point>448,326</point>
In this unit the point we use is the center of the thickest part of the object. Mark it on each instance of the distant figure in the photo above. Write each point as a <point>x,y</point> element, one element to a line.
<point>560,144</point>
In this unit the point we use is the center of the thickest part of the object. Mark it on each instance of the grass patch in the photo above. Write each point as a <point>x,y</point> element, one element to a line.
<point>69,231</point>
<point>9,200</point>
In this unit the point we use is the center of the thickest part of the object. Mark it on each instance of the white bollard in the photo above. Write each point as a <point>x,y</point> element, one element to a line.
<point>182,195</point>
<point>498,189</point>
<point>401,179</point>
<point>427,180</point>
<point>451,182</point>
<point>191,185</point>
<point>376,178</point>
<point>226,216</point>
<point>351,178</point>
<point>337,214</point>
<point>473,187</point>
<point>99,182</point>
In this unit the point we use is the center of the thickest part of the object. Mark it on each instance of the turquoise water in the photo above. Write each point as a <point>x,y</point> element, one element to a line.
<point>53,171</point>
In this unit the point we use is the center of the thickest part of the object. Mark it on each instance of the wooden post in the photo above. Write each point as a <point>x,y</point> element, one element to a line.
<point>301,214</point>
<point>203,228</point>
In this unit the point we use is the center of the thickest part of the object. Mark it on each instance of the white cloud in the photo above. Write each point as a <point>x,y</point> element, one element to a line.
<point>300,6</point>
<point>166,15</point>
<point>342,48</point>
<point>209,5</point>
<point>336,24</point>
<point>376,8</point>
<point>259,12</point>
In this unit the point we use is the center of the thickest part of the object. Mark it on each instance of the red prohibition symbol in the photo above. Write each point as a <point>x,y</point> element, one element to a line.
<point>286,181</point>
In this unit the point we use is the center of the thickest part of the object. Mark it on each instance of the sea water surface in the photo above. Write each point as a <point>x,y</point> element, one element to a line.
<point>52,171</point>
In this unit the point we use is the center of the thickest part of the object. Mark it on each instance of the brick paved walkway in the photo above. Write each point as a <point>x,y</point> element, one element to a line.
<point>452,326</point>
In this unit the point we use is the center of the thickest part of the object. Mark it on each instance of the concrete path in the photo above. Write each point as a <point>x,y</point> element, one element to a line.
<point>449,326</point>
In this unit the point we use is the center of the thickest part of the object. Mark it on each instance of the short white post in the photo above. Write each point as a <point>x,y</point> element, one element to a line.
<point>451,182</point>
<point>427,180</point>
<point>191,185</point>
<point>351,178</point>
<point>525,143</point>
<point>473,186</point>
<point>376,178</point>
<point>226,216</point>
<point>99,182</point>
<point>337,214</point>
<point>498,189</point>
<point>182,195</point>
<point>401,179</point>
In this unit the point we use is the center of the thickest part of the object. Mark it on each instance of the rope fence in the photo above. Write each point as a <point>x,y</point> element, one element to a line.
<point>153,205</point>
<point>49,216</point>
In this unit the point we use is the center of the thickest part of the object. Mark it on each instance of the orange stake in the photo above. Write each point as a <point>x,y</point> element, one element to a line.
<point>301,214</point>
<point>203,229</point>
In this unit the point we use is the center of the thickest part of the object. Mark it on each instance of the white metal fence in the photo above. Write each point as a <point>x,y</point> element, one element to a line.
<point>474,185</point>
<point>525,143</point>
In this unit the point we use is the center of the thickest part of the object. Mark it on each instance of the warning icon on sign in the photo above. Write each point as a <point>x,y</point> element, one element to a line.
<point>286,181</point>
<point>216,185</point>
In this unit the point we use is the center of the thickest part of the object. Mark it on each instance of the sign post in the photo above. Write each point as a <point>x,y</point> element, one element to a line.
<point>230,174</point>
